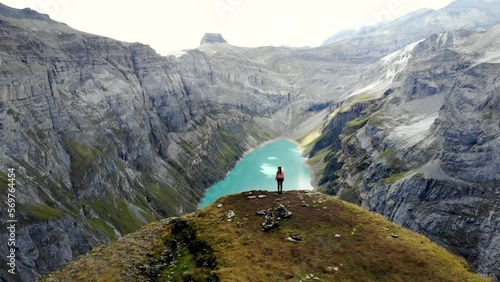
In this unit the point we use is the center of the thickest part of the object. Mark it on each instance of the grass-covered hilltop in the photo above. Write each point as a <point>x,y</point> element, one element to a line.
<point>324,239</point>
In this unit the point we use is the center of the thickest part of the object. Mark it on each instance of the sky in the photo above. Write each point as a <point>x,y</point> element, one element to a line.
<point>171,25</point>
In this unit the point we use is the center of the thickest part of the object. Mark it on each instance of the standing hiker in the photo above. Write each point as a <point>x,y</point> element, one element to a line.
<point>280,177</point>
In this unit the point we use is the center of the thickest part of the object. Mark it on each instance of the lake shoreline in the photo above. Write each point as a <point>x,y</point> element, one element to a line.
<point>297,157</point>
<point>272,141</point>
<point>302,150</point>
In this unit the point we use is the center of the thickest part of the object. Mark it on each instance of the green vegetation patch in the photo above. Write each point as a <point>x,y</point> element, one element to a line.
<point>258,134</point>
<point>318,164</point>
<point>42,212</point>
<point>224,150</point>
<point>145,209</point>
<point>148,216</point>
<point>393,161</point>
<point>350,195</point>
<point>117,213</point>
<point>4,184</point>
<point>4,181</point>
<point>164,196</point>
<point>387,154</point>
<point>228,151</point>
<point>226,134</point>
<point>118,261</point>
<point>184,268</point>
<point>365,97</point>
<point>103,227</point>
<point>187,148</point>
<point>81,151</point>
<point>376,120</point>
<point>358,123</point>
<point>394,178</point>
<point>189,257</point>
<point>82,158</point>
<point>345,109</point>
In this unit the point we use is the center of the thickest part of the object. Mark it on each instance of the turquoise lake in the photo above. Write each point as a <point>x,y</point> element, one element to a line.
<point>256,171</point>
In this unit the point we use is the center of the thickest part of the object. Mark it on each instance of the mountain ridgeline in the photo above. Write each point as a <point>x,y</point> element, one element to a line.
<point>314,237</point>
<point>107,136</point>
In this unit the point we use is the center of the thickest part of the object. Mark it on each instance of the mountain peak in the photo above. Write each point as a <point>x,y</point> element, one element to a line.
<point>211,38</point>
<point>25,13</point>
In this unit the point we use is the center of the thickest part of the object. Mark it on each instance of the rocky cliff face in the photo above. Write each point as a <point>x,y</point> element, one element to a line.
<point>424,152</point>
<point>100,133</point>
<point>396,34</point>
<point>211,38</point>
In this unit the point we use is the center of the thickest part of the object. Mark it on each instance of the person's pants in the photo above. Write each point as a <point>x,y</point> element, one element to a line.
<point>280,184</point>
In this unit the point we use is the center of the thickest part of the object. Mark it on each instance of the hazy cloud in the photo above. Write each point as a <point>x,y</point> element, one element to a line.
<point>180,24</point>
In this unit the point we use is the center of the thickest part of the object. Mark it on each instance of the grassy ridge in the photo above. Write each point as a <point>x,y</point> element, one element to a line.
<point>341,242</point>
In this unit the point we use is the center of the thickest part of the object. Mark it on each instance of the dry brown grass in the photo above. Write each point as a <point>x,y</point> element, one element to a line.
<point>117,261</point>
<point>365,250</point>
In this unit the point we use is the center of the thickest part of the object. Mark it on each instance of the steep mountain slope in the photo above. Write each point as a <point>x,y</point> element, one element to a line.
<point>339,242</point>
<point>420,143</point>
<point>395,34</point>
